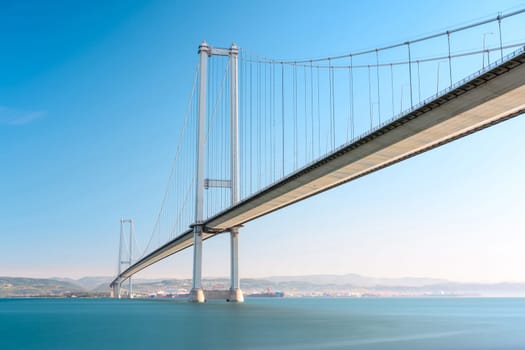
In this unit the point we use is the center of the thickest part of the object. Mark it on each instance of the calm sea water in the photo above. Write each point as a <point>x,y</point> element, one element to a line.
<point>441,323</point>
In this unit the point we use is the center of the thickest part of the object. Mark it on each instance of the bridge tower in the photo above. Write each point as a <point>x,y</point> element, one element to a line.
<point>116,292</point>
<point>235,293</point>
<point>235,288</point>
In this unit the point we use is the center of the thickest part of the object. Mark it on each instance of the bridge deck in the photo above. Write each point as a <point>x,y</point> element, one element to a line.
<point>484,100</point>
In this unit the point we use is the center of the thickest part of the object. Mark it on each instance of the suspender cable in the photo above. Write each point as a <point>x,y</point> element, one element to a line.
<point>449,59</point>
<point>251,128</point>
<point>241,124</point>
<point>437,82</point>
<point>209,158</point>
<point>333,108</point>
<point>352,115</point>
<point>211,97</point>
<point>378,95</point>
<point>312,108</point>
<point>215,157</point>
<point>330,98</point>
<point>220,148</point>
<point>305,120</point>
<point>282,115</point>
<point>274,141</point>
<point>410,73</point>
<point>294,95</point>
<point>244,133</point>
<point>262,126</point>
<point>500,40</point>
<point>418,83</point>
<point>318,114</point>
<point>211,131</point>
<point>269,118</point>
<point>268,121</point>
<point>401,100</point>
<point>225,162</point>
<point>369,97</point>
<point>392,87</point>
<point>222,145</point>
<point>331,101</point>
<point>348,122</point>
<point>265,124</point>
<point>226,155</point>
<point>259,126</point>
<point>245,148</point>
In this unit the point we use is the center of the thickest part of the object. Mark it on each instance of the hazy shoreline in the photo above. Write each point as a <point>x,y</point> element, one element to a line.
<point>350,285</point>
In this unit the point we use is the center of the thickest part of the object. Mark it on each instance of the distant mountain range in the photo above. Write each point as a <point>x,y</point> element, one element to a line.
<point>406,286</point>
<point>87,283</point>
<point>98,283</point>
<point>292,285</point>
<point>26,287</point>
<point>359,280</point>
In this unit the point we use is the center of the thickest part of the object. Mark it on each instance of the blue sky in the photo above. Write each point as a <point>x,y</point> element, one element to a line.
<point>91,98</point>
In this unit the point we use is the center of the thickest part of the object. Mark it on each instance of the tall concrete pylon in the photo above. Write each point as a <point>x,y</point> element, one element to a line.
<point>205,51</point>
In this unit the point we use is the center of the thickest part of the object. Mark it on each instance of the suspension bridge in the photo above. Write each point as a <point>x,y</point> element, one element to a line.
<point>261,133</point>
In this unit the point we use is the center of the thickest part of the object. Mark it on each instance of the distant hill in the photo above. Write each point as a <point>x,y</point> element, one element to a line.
<point>309,285</point>
<point>87,283</point>
<point>98,283</point>
<point>27,287</point>
<point>339,285</point>
<point>359,280</point>
<point>403,286</point>
<point>104,286</point>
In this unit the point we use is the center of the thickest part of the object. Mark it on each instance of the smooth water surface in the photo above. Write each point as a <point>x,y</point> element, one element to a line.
<point>367,323</point>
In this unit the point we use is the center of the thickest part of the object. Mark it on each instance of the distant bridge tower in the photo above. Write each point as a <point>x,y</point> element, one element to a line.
<point>235,293</point>
<point>116,292</point>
